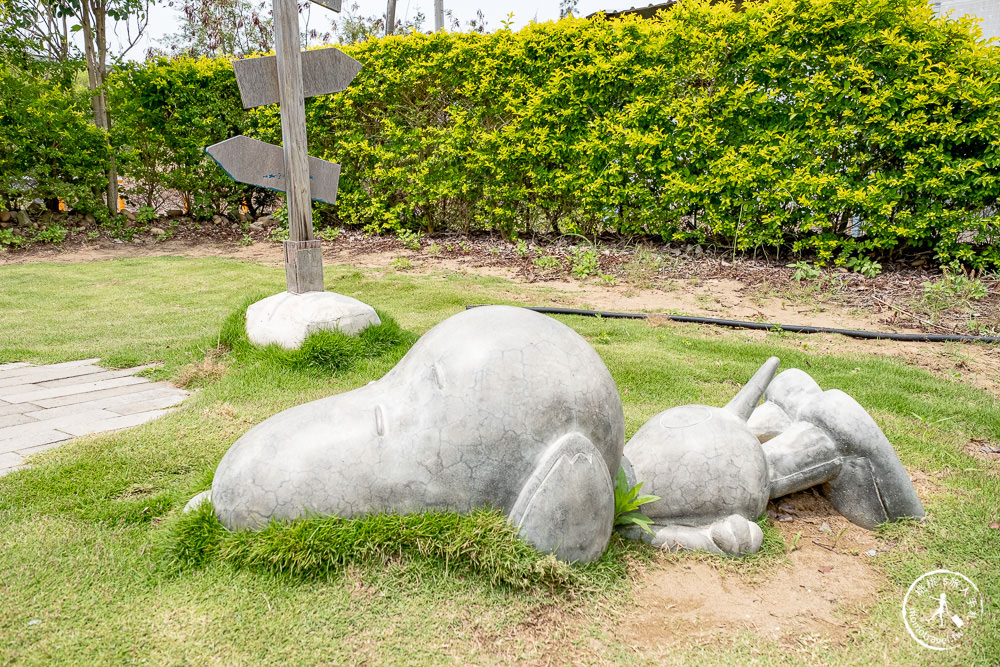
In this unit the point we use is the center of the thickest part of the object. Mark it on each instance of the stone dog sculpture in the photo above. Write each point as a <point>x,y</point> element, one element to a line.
<point>504,407</point>
<point>714,476</point>
<point>494,407</point>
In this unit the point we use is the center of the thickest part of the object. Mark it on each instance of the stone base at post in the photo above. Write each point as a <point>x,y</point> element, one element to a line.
<point>288,319</point>
<point>304,266</point>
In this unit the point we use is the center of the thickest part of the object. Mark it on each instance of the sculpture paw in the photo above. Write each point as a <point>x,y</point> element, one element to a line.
<point>737,536</point>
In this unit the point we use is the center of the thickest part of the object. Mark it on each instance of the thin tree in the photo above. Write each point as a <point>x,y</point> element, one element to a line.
<point>127,20</point>
<point>390,17</point>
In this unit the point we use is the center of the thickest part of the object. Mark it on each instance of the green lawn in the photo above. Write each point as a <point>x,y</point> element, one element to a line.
<point>83,531</point>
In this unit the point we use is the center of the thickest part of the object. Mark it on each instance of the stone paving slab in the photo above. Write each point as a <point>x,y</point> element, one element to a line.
<point>45,406</point>
<point>37,392</point>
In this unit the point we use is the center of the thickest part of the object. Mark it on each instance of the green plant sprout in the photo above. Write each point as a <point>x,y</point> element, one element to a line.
<point>627,504</point>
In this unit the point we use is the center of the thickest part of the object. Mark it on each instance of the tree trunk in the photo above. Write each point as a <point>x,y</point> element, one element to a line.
<point>390,17</point>
<point>93,20</point>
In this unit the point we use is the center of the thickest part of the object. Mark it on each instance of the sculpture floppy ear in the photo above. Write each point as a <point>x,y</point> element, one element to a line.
<point>567,505</point>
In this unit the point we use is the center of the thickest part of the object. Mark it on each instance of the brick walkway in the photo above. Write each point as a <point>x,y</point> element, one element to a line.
<point>45,406</point>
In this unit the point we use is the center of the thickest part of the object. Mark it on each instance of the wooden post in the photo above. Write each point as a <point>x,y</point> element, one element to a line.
<point>303,259</point>
<point>438,15</point>
<point>390,17</point>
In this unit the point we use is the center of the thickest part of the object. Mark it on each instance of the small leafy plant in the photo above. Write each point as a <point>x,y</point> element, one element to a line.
<point>803,271</point>
<point>547,263</point>
<point>410,239</point>
<point>52,234</point>
<point>869,268</point>
<point>583,262</point>
<point>9,239</point>
<point>145,215</point>
<point>627,504</point>
<point>329,234</point>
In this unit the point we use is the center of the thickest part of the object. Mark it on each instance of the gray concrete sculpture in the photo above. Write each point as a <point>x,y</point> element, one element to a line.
<point>494,407</point>
<point>714,477</point>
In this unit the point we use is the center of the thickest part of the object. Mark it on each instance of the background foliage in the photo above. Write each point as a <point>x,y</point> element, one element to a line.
<point>838,128</point>
<point>49,146</point>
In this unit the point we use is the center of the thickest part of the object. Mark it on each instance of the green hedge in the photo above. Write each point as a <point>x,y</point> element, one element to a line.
<point>165,113</point>
<point>773,127</point>
<point>49,147</point>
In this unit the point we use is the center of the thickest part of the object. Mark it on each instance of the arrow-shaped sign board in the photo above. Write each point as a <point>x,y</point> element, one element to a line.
<point>329,4</point>
<point>262,164</point>
<point>324,71</point>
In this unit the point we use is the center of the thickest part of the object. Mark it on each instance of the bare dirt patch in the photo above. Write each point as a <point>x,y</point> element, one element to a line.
<point>826,584</point>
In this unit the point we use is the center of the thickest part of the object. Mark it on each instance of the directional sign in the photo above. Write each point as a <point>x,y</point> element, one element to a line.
<point>324,71</point>
<point>262,164</point>
<point>329,4</point>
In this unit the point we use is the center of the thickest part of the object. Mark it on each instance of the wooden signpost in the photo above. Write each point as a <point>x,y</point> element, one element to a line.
<point>288,77</point>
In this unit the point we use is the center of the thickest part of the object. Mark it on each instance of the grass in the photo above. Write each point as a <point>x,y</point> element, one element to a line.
<point>97,565</point>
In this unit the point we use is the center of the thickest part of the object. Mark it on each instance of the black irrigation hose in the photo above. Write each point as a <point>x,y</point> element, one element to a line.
<point>794,328</point>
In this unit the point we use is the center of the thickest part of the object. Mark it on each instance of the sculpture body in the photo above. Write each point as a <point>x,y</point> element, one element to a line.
<point>496,406</point>
<point>714,475</point>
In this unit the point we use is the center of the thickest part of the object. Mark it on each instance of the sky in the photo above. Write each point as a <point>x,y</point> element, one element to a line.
<point>163,19</point>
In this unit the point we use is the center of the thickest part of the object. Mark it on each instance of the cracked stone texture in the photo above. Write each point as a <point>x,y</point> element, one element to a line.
<point>829,439</point>
<point>703,462</point>
<point>494,407</point>
<point>288,319</point>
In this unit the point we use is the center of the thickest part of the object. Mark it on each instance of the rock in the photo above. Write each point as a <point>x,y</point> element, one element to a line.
<point>698,251</point>
<point>22,218</point>
<point>217,219</point>
<point>257,225</point>
<point>5,216</point>
<point>156,231</point>
<point>89,220</point>
<point>174,212</point>
<point>129,215</point>
<point>287,319</point>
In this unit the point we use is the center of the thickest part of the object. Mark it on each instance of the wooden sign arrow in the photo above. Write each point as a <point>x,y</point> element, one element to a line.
<point>329,4</point>
<point>262,164</point>
<point>324,71</point>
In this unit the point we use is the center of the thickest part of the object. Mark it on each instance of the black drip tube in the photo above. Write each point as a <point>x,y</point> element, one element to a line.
<point>794,328</point>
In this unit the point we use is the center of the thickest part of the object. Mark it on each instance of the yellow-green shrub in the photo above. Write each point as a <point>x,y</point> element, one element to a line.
<point>776,126</point>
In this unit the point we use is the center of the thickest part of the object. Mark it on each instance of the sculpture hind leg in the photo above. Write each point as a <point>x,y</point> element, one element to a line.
<point>567,506</point>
